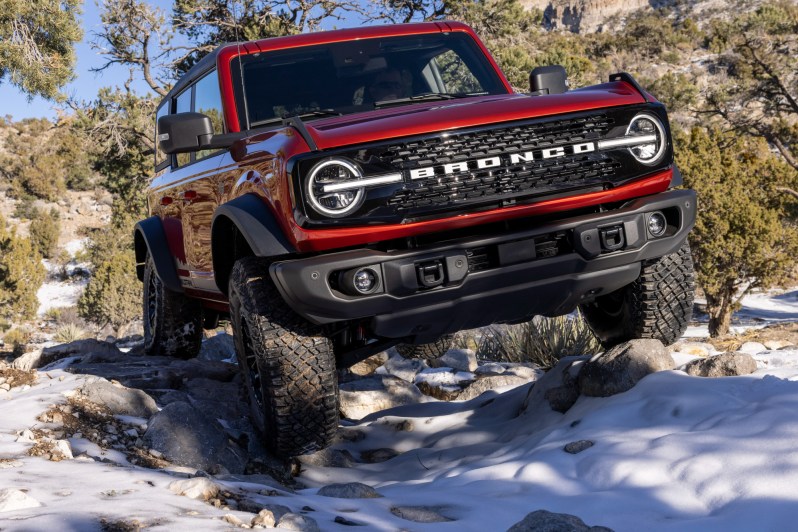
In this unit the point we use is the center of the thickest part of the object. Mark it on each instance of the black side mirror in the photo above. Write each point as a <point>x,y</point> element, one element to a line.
<point>184,132</point>
<point>548,80</point>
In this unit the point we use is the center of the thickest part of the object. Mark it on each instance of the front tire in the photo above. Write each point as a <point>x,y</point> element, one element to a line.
<point>658,304</point>
<point>172,321</point>
<point>287,363</point>
<point>430,351</point>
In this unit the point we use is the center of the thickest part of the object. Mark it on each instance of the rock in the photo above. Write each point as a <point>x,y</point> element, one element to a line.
<point>187,437</point>
<point>697,349</point>
<point>28,361</point>
<point>404,368</point>
<point>328,458</point>
<point>752,348</point>
<point>377,456</point>
<point>277,510</point>
<point>544,521</point>
<point>527,372</point>
<point>195,488</point>
<point>120,400</point>
<point>490,383</point>
<point>367,367</point>
<point>341,520</point>
<point>421,514</point>
<point>97,350</point>
<point>491,368</point>
<point>11,499</point>
<point>63,448</point>
<point>265,518</point>
<point>219,348</point>
<point>775,345</point>
<point>576,447</point>
<point>459,359</point>
<point>362,397</point>
<point>724,365</point>
<point>557,389</point>
<point>442,392</point>
<point>350,490</point>
<point>620,368</point>
<point>233,520</point>
<point>303,523</point>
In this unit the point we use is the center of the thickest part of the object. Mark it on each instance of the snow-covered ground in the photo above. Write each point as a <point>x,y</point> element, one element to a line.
<point>675,453</point>
<point>759,309</point>
<point>56,292</point>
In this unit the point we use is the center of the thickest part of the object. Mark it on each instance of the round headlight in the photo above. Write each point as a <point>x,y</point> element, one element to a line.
<point>648,126</point>
<point>331,200</point>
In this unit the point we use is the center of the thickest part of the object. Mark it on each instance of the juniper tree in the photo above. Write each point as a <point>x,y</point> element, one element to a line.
<point>21,275</point>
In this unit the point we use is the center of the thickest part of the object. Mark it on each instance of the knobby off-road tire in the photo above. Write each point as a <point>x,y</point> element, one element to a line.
<point>172,321</point>
<point>429,351</point>
<point>287,364</point>
<point>659,304</point>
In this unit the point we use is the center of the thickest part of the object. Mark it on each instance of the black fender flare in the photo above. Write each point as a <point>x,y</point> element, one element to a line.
<point>255,222</point>
<point>149,236</point>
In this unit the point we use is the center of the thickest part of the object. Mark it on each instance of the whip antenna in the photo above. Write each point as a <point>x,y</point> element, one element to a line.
<point>240,64</point>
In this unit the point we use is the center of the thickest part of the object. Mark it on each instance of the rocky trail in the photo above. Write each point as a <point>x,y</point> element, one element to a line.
<point>96,436</point>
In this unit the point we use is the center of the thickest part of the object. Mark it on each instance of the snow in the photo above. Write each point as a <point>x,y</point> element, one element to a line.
<point>675,453</point>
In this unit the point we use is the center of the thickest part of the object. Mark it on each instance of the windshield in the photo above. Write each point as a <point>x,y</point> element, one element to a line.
<point>356,76</point>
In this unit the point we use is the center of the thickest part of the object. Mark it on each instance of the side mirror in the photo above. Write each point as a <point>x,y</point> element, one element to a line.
<point>548,80</point>
<point>184,132</point>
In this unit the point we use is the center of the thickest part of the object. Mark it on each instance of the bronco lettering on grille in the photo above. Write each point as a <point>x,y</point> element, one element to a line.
<point>503,159</point>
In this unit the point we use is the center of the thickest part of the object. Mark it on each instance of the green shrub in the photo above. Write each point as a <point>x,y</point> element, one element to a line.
<point>543,341</point>
<point>69,333</point>
<point>21,275</point>
<point>44,231</point>
<point>113,295</point>
<point>17,340</point>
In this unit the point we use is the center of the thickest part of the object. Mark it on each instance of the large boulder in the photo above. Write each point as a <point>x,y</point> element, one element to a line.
<point>544,521</point>
<point>557,390</point>
<point>362,397</point>
<point>187,437</point>
<point>490,383</point>
<point>118,399</point>
<point>404,368</point>
<point>459,359</point>
<point>620,368</point>
<point>369,366</point>
<point>350,490</point>
<point>723,365</point>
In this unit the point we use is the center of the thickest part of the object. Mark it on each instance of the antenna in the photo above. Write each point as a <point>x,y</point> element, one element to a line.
<point>240,65</point>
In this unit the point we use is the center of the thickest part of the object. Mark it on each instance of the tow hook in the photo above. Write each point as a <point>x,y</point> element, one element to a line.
<point>430,273</point>
<point>612,238</point>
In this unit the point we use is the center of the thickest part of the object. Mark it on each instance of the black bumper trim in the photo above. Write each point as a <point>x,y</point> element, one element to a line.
<point>510,290</point>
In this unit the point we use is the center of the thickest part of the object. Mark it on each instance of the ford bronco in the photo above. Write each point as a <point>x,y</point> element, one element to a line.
<point>338,193</point>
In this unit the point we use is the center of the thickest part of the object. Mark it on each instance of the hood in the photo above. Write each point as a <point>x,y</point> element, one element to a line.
<point>430,117</point>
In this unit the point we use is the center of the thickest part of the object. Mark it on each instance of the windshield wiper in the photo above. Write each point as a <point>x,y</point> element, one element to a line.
<point>318,113</point>
<point>430,97</point>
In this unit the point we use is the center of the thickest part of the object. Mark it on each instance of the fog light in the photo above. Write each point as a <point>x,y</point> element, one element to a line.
<point>365,281</point>
<point>657,224</point>
<point>359,281</point>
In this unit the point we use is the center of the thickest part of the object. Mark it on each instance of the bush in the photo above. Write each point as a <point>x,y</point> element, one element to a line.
<point>69,333</point>
<point>18,340</point>
<point>44,231</point>
<point>21,275</point>
<point>113,295</point>
<point>543,341</point>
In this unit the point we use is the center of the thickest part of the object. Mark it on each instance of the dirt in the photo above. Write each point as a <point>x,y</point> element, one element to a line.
<point>786,332</point>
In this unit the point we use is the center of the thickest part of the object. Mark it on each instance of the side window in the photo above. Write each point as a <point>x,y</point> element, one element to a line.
<point>183,105</point>
<point>208,101</point>
<point>454,73</point>
<point>160,158</point>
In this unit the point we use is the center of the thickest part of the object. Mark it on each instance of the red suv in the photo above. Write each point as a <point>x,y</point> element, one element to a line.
<point>342,192</point>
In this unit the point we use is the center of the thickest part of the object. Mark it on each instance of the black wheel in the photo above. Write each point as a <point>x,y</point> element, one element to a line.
<point>659,304</point>
<point>429,351</point>
<point>287,363</point>
<point>172,321</point>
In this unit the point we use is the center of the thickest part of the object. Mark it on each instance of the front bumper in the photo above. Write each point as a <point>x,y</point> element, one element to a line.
<point>547,270</point>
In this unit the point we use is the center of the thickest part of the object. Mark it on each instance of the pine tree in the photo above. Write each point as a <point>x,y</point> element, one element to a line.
<point>21,275</point>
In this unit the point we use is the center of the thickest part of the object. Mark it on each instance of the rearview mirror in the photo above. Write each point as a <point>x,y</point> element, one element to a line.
<point>550,79</point>
<point>184,132</point>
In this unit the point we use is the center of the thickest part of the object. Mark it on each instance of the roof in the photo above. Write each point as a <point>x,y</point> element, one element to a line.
<point>305,39</point>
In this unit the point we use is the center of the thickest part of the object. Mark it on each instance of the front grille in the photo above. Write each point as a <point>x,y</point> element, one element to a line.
<point>448,172</point>
<point>490,184</point>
